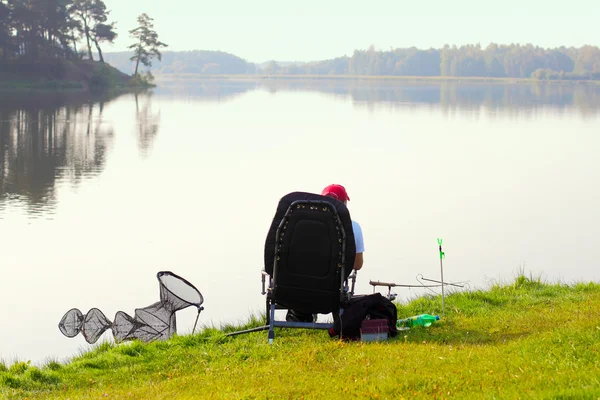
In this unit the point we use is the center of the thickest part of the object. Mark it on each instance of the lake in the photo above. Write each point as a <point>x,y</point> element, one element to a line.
<point>99,194</point>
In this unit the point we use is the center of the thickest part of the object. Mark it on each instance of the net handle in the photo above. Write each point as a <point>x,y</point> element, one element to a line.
<point>197,316</point>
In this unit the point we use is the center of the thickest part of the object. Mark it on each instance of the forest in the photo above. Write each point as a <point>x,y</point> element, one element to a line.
<point>498,61</point>
<point>39,31</point>
<point>495,61</point>
<point>59,43</point>
<point>34,34</point>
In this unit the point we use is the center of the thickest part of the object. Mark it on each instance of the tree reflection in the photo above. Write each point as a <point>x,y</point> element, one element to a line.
<point>512,99</point>
<point>49,138</point>
<point>147,122</point>
<point>209,90</point>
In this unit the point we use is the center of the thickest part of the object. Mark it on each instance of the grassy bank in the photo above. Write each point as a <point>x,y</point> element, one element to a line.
<point>46,85</point>
<point>526,339</point>
<point>65,75</point>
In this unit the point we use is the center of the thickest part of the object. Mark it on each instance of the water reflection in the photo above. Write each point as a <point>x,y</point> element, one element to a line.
<point>503,191</point>
<point>48,138</point>
<point>516,99</point>
<point>147,122</point>
<point>211,90</point>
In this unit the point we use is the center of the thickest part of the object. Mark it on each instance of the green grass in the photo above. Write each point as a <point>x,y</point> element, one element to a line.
<point>527,339</point>
<point>67,75</point>
<point>45,85</point>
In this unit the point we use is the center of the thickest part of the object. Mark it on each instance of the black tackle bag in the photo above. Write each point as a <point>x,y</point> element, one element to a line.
<point>359,308</point>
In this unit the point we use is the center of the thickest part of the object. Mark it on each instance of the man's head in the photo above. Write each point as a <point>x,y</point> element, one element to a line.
<point>337,192</point>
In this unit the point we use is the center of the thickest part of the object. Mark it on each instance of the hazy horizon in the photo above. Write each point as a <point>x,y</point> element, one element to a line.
<point>271,30</point>
<point>281,61</point>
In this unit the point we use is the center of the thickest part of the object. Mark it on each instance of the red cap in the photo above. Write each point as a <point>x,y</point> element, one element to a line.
<point>336,191</point>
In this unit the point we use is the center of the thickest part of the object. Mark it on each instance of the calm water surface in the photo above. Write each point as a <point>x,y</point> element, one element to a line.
<point>98,195</point>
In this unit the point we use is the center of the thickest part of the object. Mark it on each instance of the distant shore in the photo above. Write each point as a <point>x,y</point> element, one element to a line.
<point>94,76</point>
<point>437,79</point>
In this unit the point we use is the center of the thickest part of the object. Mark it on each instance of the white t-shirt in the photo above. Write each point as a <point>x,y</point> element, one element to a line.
<point>358,237</point>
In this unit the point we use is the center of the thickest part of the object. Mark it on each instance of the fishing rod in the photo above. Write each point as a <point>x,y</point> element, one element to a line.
<point>461,284</point>
<point>420,277</point>
<point>437,283</point>
<point>390,285</point>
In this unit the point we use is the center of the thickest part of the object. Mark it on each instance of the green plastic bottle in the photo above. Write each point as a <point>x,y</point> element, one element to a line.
<point>417,320</point>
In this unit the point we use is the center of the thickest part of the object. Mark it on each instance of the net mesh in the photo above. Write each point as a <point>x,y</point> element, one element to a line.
<point>154,322</point>
<point>94,325</point>
<point>70,324</point>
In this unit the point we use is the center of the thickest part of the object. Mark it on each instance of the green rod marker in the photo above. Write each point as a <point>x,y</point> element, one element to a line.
<point>442,255</point>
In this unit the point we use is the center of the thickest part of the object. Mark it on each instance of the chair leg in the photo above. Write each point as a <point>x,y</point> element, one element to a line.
<point>268,312</point>
<point>272,324</point>
<point>336,314</point>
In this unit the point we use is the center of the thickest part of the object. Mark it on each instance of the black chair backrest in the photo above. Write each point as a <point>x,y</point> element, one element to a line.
<point>309,252</point>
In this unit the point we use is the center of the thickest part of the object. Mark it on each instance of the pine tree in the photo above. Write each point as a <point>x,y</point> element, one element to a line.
<point>147,44</point>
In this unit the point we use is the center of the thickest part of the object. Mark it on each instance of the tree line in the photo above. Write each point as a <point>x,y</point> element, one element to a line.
<point>499,61</point>
<point>39,31</point>
<point>496,61</point>
<point>36,31</point>
<point>187,62</point>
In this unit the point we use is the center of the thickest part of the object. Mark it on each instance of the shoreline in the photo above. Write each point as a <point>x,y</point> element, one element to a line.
<point>368,78</point>
<point>70,86</point>
<point>65,86</point>
<point>67,76</point>
<point>507,336</point>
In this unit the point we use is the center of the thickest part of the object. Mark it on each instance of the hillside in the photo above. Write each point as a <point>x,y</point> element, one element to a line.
<point>494,61</point>
<point>62,74</point>
<point>187,62</point>
<point>523,340</point>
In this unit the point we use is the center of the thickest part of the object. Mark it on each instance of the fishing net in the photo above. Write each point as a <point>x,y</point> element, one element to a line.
<point>154,322</point>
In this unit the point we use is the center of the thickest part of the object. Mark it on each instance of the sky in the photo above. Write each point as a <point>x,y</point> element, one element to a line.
<point>312,30</point>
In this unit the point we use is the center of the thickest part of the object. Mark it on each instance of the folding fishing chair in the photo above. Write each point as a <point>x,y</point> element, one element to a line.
<point>309,254</point>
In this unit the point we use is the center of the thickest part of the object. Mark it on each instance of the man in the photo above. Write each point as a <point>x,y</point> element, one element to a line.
<point>337,192</point>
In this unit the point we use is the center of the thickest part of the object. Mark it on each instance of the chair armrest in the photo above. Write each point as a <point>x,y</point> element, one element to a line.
<point>264,275</point>
<point>353,277</point>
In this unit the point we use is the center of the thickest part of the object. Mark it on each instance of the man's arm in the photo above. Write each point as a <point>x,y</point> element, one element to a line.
<point>360,245</point>
<point>358,261</point>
